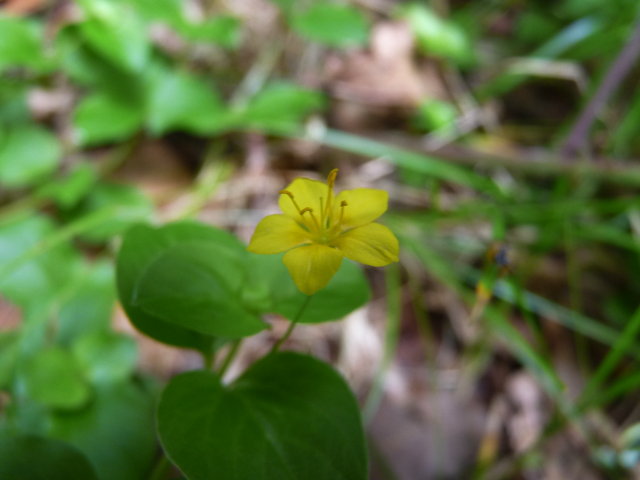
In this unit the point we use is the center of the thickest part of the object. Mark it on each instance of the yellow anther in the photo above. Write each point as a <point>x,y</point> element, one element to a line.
<point>293,200</point>
<point>286,192</point>
<point>305,210</point>
<point>343,204</point>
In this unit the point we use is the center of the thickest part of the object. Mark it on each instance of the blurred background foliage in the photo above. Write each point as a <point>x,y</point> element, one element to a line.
<point>506,131</point>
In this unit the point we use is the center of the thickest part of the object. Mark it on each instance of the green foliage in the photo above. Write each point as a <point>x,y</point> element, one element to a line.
<point>293,415</point>
<point>270,289</point>
<point>21,44</point>
<point>127,205</point>
<point>106,357</point>
<point>437,37</point>
<point>434,115</point>
<point>76,408</point>
<point>332,24</point>
<point>115,431</point>
<point>28,153</point>
<point>222,30</point>
<point>100,119</point>
<point>53,378</point>
<point>28,457</point>
<point>88,309</point>
<point>140,248</point>
<point>115,31</point>
<point>194,104</point>
<point>192,285</point>
<point>32,284</point>
<point>279,108</point>
<point>186,282</point>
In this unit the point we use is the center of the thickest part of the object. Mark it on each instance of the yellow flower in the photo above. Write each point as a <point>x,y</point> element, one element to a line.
<point>318,228</point>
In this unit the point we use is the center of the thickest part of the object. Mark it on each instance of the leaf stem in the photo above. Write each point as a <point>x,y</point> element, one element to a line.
<point>231,354</point>
<point>292,325</point>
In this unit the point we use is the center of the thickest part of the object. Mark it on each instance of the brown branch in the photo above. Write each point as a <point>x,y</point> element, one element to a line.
<point>536,164</point>
<point>576,141</point>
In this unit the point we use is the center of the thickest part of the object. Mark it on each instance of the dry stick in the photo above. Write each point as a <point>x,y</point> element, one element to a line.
<point>544,164</point>
<point>577,138</point>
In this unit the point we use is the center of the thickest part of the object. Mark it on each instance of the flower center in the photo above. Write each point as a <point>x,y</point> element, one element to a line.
<point>325,225</point>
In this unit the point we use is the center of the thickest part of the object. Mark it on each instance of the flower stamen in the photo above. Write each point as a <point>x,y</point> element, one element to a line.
<point>343,204</point>
<point>331,178</point>
<point>313,217</point>
<point>290,195</point>
<point>326,212</point>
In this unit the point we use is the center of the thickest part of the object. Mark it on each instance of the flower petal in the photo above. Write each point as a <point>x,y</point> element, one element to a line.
<point>277,233</point>
<point>372,244</point>
<point>306,193</point>
<point>312,266</point>
<point>364,205</point>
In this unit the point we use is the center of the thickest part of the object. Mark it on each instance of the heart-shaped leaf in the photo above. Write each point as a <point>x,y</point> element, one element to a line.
<point>193,285</point>
<point>157,261</point>
<point>346,291</point>
<point>289,417</point>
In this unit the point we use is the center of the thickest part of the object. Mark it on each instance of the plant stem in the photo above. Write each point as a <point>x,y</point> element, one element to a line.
<point>292,325</point>
<point>231,354</point>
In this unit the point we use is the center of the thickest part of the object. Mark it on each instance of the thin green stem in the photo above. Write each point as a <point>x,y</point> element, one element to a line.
<point>231,354</point>
<point>292,325</point>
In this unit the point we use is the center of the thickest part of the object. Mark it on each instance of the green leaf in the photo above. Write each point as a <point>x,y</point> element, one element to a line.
<point>436,36</point>
<point>13,102</point>
<point>67,191</point>
<point>347,291</point>
<point>54,378</point>
<point>106,356</point>
<point>288,417</point>
<point>26,417</point>
<point>435,114</point>
<point>100,119</point>
<point>39,280</point>
<point>182,101</point>
<point>136,207</point>
<point>193,285</point>
<point>90,307</point>
<point>88,68</point>
<point>27,457</point>
<point>142,245</point>
<point>280,106</point>
<point>115,431</point>
<point>117,32</point>
<point>170,12</point>
<point>28,153</point>
<point>9,349</point>
<point>332,24</point>
<point>20,44</point>
<point>223,30</point>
